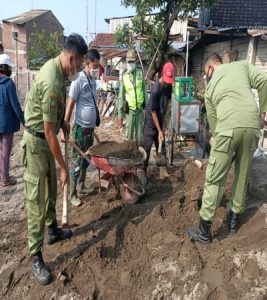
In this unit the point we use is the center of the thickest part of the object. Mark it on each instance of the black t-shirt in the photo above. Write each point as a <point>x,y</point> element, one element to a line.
<point>158,100</point>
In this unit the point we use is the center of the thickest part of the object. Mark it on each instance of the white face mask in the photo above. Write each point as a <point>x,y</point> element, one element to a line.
<point>131,67</point>
<point>74,76</point>
<point>94,73</point>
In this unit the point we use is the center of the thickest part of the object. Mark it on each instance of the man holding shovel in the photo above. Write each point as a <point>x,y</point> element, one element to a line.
<point>155,116</point>
<point>44,116</point>
<point>83,96</point>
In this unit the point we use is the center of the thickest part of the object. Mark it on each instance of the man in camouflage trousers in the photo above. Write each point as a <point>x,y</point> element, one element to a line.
<point>83,96</point>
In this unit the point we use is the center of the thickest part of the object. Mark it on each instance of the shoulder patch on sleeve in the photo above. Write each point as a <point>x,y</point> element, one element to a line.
<point>53,101</point>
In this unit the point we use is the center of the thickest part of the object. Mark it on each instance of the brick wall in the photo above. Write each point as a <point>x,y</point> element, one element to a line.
<point>10,44</point>
<point>45,21</point>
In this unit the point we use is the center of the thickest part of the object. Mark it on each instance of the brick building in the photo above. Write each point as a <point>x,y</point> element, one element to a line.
<point>23,26</point>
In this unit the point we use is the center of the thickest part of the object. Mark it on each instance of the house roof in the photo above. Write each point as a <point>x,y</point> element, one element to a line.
<point>239,14</point>
<point>103,40</point>
<point>25,17</point>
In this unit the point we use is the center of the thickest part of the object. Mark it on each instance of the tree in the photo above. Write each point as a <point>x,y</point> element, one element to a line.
<point>157,28</point>
<point>43,46</point>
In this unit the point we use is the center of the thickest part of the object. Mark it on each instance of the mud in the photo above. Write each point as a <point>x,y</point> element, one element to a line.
<point>121,251</point>
<point>124,150</point>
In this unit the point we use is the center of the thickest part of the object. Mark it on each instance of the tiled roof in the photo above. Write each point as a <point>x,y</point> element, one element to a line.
<point>235,14</point>
<point>103,40</point>
<point>25,17</point>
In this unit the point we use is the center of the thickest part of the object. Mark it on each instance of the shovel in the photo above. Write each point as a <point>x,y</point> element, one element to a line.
<point>162,163</point>
<point>160,160</point>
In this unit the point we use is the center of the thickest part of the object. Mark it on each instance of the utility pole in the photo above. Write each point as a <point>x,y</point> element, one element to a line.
<point>95,18</point>
<point>87,30</point>
<point>15,37</point>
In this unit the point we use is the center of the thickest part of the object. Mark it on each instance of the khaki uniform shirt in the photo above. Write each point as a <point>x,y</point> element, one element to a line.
<point>47,97</point>
<point>229,100</point>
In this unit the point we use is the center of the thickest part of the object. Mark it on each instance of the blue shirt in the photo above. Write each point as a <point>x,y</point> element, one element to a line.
<point>11,114</point>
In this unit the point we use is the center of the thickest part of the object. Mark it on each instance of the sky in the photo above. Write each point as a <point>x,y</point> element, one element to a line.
<point>71,13</point>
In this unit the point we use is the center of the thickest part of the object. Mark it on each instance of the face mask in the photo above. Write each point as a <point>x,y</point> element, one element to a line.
<point>131,67</point>
<point>94,73</point>
<point>74,76</point>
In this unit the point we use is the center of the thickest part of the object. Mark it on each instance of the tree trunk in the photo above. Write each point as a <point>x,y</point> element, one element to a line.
<point>169,15</point>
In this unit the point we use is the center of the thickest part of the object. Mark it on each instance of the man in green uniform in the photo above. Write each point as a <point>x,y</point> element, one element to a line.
<point>233,117</point>
<point>44,115</point>
<point>132,99</point>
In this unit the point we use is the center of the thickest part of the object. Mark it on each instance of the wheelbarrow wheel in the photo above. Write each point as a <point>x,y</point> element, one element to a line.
<point>130,188</point>
<point>127,195</point>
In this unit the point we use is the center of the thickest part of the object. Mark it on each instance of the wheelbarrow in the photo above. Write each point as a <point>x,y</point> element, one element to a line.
<point>122,172</point>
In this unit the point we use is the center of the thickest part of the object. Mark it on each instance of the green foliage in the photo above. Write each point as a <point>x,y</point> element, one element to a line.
<point>148,6</point>
<point>43,46</point>
<point>158,27</point>
<point>123,36</point>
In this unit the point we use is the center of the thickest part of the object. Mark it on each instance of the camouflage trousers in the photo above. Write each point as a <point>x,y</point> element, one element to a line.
<point>84,139</point>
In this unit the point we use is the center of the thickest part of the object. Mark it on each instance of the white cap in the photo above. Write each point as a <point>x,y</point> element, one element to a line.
<point>6,60</point>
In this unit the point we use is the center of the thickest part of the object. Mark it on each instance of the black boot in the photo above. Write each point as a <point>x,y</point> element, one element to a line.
<point>233,221</point>
<point>56,234</point>
<point>39,269</point>
<point>201,233</point>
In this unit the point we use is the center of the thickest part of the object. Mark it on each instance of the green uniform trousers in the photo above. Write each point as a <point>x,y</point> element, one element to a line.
<point>135,125</point>
<point>239,145</point>
<point>40,188</point>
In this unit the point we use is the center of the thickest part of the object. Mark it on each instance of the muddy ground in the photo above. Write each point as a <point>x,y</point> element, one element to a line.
<point>121,251</point>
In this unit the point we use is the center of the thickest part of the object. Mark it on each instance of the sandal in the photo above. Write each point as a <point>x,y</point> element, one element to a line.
<point>11,181</point>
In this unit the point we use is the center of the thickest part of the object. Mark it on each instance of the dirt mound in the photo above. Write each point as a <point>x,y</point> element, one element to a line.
<point>121,251</point>
<point>141,251</point>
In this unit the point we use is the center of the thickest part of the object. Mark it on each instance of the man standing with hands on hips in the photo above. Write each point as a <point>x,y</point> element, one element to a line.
<point>44,116</point>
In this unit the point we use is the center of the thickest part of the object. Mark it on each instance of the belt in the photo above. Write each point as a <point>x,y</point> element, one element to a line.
<point>40,135</point>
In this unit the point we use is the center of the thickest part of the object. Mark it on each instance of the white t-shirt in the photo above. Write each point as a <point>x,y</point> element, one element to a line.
<point>82,94</point>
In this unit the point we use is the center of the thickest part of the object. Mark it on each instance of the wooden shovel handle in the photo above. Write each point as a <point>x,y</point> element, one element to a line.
<point>66,189</point>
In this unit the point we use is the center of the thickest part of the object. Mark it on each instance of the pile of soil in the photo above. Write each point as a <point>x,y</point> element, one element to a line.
<point>120,251</point>
<point>124,150</point>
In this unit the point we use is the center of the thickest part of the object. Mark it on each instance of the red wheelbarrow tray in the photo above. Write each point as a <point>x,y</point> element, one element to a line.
<point>113,165</point>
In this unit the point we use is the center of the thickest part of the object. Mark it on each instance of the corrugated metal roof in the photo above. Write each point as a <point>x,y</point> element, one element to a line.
<point>25,17</point>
